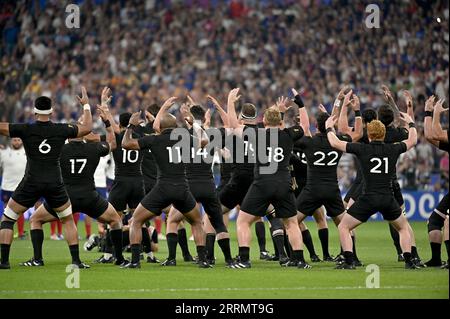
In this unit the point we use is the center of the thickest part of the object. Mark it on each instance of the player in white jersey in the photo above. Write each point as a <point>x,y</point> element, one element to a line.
<point>13,162</point>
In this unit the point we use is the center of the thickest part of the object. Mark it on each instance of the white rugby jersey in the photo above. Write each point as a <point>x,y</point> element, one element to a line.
<point>100,172</point>
<point>13,162</point>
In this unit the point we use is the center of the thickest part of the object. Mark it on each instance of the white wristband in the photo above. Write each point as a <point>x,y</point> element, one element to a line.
<point>86,107</point>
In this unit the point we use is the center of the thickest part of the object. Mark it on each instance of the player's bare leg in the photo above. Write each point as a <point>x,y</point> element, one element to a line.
<point>140,216</point>
<point>174,220</point>
<point>194,218</point>
<point>244,235</point>
<point>401,225</point>
<point>295,239</point>
<point>345,225</point>
<point>307,241</point>
<point>114,221</point>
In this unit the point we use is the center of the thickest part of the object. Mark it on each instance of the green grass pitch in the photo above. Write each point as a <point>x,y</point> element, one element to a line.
<point>265,280</point>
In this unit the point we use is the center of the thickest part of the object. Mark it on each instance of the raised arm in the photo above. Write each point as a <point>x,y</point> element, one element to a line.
<point>128,142</point>
<point>428,121</point>
<point>222,113</point>
<point>335,142</point>
<point>390,100</point>
<point>105,100</point>
<point>110,134</point>
<point>164,108</point>
<point>357,132</point>
<point>4,129</point>
<point>302,112</point>
<point>412,136</point>
<point>343,126</point>
<point>86,127</point>
<point>438,133</point>
<point>409,103</point>
<point>233,97</point>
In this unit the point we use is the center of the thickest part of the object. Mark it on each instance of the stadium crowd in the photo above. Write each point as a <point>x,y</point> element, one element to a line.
<point>149,50</point>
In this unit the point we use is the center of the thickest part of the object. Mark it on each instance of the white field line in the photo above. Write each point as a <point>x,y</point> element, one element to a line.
<point>157,290</point>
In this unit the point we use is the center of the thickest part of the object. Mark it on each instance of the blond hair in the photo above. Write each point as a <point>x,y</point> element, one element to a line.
<point>376,130</point>
<point>272,116</point>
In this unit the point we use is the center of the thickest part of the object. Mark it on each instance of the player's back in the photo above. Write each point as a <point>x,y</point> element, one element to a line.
<point>278,145</point>
<point>378,163</point>
<point>148,162</point>
<point>127,162</point>
<point>43,142</point>
<point>168,156</point>
<point>79,160</point>
<point>200,166</point>
<point>322,159</point>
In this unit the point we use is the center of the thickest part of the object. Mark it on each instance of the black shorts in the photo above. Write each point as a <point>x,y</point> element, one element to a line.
<point>263,193</point>
<point>90,203</point>
<point>299,189</point>
<point>397,191</point>
<point>149,183</point>
<point>354,192</point>
<point>205,193</point>
<point>311,200</point>
<point>442,207</point>
<point>223,183</point>
<point>369,204</point>
<point>29,192</point>
<point>166,193</point>
<point>126,192</point>
<point>234,192</point>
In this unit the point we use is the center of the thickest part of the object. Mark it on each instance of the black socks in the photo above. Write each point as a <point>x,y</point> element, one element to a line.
<point>37,239</point>
<point>172,240</point>
<point>210,241</point>
<point>261,235</point>
<point>5,253</point>
<point>307,240</point>
<point>396,238</point>
<point>116,238</point>
<point>323,236</point>
<point>135,253</point>
<point>75,253</point>
<point>224,244</point>
<point>244,253</point>
<point>182,240</point>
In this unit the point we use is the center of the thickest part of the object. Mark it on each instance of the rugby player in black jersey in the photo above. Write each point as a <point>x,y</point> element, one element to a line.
<point>43,141</point>
<point>271,184</point>
<point>439,217</point>
<point>322,183</point>
<point>202,186</point>
<point>378,161</point>
<point>171,188</point>
<point>78,162</point>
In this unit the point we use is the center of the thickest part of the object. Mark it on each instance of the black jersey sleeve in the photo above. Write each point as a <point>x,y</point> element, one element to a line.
<point>303,142</point>
<point>70,130</point>
<point>400,147</point>
<point>444,146</point>
<point>17,130</point>
<point>103,148</point>
<point>354,148</point>
<point>146,141</point>
<point>403,133</point>
<point>295,132</point>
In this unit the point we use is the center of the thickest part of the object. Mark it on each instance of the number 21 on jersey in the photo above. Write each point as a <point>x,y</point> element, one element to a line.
<point>378,164</point>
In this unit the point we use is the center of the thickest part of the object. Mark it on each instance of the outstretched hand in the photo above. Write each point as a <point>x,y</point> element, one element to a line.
<point>283,104</point>
<point>439,106</point>
<point>169,102</point>
<point>429,104</point>
<point>136,119</point>
<point>84,99</point>
<point>106,96</point>
<point>234,96</point>
<point>331,121</point>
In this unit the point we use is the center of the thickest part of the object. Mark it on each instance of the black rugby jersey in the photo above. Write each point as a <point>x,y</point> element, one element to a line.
<point>43,142</point>
<point>168,156</point>
<point>378,162</point>
<point>79,160</point>
<point>322,159</point>
<point>148,162</point>
<point>127,162</point>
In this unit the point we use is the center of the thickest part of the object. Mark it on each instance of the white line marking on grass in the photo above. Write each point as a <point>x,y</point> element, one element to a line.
<point>156,290</point>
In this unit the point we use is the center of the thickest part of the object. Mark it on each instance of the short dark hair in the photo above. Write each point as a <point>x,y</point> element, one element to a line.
<point>248,110</point>
<point>198,113</point>
<point>321,118</point>
<point>368,115</point>
<point>386,114</point>
<point>43,103</point>
<point>124,119</point>
<point>153,109</point>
